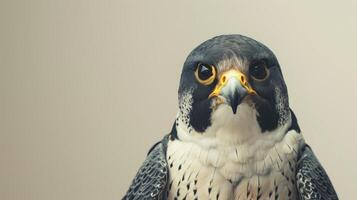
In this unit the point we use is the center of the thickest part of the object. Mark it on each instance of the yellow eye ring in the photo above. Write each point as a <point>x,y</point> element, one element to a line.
<point>205,74</point>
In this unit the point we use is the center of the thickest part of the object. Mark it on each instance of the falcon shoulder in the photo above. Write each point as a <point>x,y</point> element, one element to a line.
<point>312,181</point>
<point>151,179</point>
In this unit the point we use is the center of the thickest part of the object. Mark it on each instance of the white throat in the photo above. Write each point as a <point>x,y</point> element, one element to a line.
<point>232,155</point>
<point>238,136</point>
<point>231,129</point>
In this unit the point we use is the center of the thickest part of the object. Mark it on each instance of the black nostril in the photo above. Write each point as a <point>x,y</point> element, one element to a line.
<point>224,79</point>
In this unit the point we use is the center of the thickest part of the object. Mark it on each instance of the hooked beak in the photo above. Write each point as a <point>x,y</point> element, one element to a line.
<point>233,86</point>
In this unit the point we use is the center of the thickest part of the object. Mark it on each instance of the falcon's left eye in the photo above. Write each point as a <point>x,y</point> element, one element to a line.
<point>259,71</point>
<point>205,74</point>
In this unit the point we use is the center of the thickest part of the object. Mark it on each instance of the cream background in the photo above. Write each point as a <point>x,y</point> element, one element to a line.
<point>88,86</point>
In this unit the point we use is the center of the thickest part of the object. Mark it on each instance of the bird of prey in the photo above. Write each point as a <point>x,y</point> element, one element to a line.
<point>235,135</point>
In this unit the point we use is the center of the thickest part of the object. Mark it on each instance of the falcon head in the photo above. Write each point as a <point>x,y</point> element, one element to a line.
<point>232,85</point>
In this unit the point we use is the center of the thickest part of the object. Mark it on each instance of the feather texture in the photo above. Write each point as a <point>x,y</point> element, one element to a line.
<point>151,179</point>
<point>312,180</point>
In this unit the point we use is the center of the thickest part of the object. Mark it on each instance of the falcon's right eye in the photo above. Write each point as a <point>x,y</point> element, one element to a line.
<point>205,74</point>
<point>259,71</point>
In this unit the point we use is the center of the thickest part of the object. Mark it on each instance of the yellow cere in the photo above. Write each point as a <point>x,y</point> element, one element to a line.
<point>226,76</point>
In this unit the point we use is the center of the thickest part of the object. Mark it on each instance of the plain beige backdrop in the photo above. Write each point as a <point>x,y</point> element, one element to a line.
<point>88,86</point>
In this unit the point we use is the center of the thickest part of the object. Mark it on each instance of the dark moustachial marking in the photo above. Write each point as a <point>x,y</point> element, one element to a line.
<point>268,116</point>
<point>200,115</point>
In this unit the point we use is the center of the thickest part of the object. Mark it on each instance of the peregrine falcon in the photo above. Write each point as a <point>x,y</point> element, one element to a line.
<point>235,135</point>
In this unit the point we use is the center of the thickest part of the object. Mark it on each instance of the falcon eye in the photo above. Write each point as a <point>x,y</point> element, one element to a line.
<point>259,71</point>
<point>205,74</point>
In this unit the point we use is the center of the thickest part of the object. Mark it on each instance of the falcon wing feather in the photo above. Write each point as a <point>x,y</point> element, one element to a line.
<point>312,180</point>
<point>151,179</point>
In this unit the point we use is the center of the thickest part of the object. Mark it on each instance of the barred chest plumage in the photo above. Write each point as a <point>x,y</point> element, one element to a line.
<point>263,170</point>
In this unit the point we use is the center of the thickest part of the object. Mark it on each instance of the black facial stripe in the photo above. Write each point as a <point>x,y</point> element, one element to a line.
<point>268,116</point>
<point>200,115</point>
